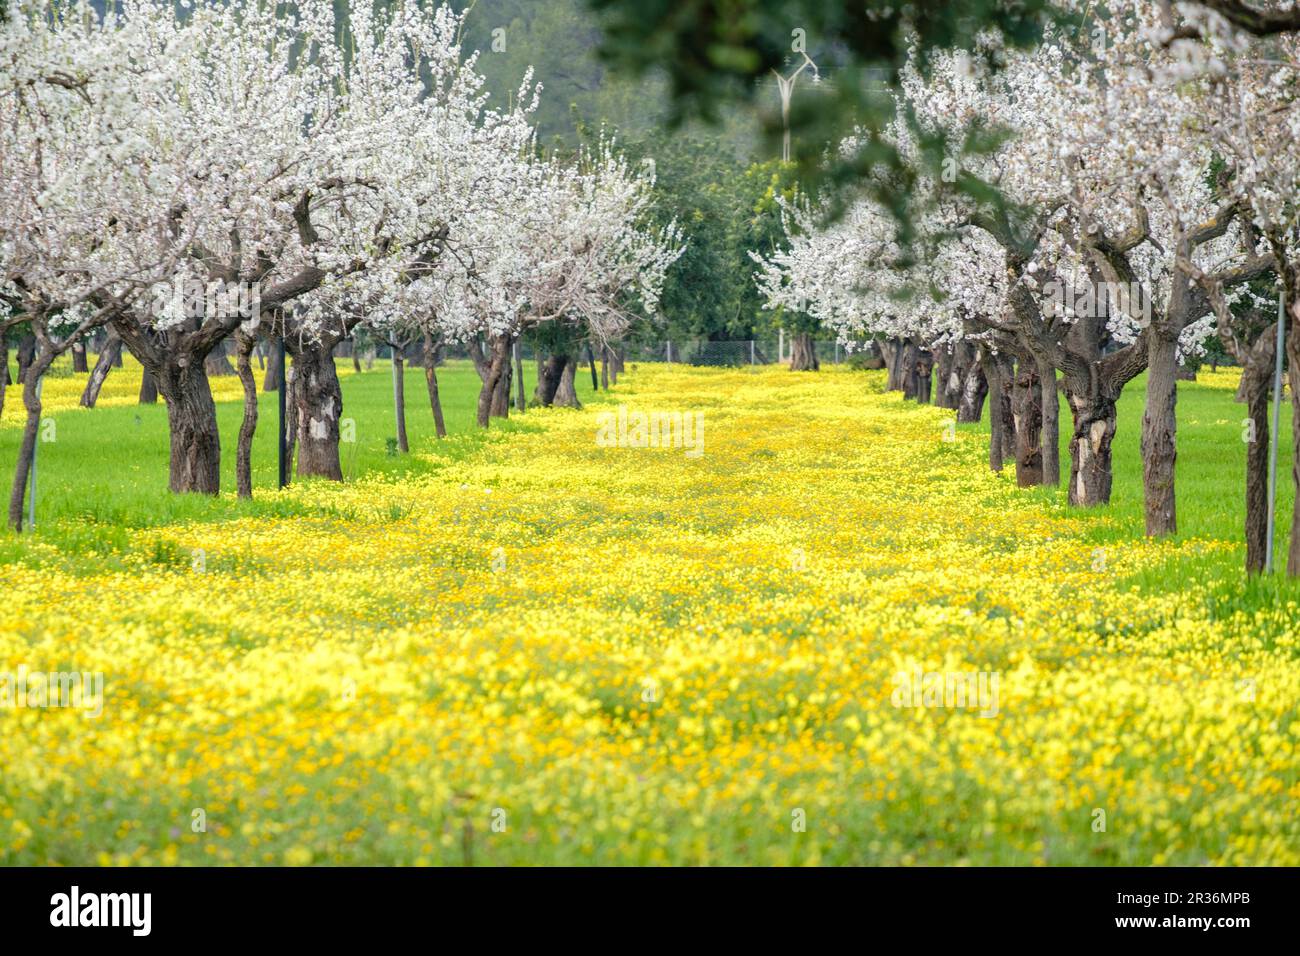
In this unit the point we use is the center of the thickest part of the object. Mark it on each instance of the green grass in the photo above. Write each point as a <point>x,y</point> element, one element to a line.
<point>1210,477</point>
<point>106,471</point>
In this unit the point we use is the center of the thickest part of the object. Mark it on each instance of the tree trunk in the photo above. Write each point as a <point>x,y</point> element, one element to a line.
<point>108,354</point>
<point>993,375</point>
<point>1159,447</point>
<point>399,400</point>
<point>591,360</point>
<point>803,353</point>
<point>924,375</point>
<point>892,350</point>
<point>1090,464</point>
<point>1292,334</point>
<point>4,369</point>
<point>79,358</point>
<point>1256,381</point>
<point>192,424</point>
<point>27,449</point>
<point>501,394</point>
<point>431,352</point>
<point>604,368</point>
<point>1027,418</point>
<point>496,370</point>
<point>1051,411</point>
<point>945,369</point>
<point>566,393</point>
<point>26,355</point>
<point>970,408</point>
<point>907,372</point>
<point>244,344</point>
<point>520,400</point>
<point>217,364</point>
<point>148,388</point>
<point>271,380</point>
<point>549,374</point>
<point>317,406</point>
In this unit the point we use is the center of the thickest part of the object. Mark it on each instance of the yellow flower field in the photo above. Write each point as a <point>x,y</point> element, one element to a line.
<point>555,652</point>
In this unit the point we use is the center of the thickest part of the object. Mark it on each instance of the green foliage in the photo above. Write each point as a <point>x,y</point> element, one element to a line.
<point>727,206</point>
<point>716,53</point>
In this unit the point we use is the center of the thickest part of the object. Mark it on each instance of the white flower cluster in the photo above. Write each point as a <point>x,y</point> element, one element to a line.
<point>363,180</point>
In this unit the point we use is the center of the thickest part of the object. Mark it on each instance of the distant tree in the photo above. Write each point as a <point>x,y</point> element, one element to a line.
<point>726,50</point>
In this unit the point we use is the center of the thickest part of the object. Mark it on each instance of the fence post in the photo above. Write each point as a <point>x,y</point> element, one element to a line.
<point>751,352</point>
<point>670,351</point>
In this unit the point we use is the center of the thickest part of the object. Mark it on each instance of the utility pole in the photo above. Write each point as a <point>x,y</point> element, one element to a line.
<point>785,85</point>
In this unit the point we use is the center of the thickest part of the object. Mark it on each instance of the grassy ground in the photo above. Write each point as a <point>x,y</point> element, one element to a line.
<point>529,647</point>
<point>1210,488</point>
<point>105,471</point>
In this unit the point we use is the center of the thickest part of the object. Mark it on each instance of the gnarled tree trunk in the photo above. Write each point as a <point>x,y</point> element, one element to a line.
<point>26,356</point>
<point>148,388</point>
<point>974,388</point>
<point>1159,427</point>
<point>924,375</point>
<point>893,352</point>
<point>566,393</point>
<point>908,373</point>
<point>498,363</point>
<point>1090,462</point>
<point>271,380</point>
<point>217,364</point>
<point>1027,416</point>
<point>4,368</point>
<point>1051,411</point>
<point>549,374</point>
<point>317,407</point>
<point>803,353</point>
<point>108,355</point>
<point>248,425</point>
<point>432,351</point>
<point>27,447</point>
<point>501,394</point>
<point>195,459</point>
<point>1255,384</point>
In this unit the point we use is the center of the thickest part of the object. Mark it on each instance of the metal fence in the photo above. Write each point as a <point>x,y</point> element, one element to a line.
<point>710,352</point>
<point>703,352</point>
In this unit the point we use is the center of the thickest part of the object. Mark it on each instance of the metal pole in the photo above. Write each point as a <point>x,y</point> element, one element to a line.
<point>283,456</point>
<point>1277,438</point>
<point>31,501</point>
